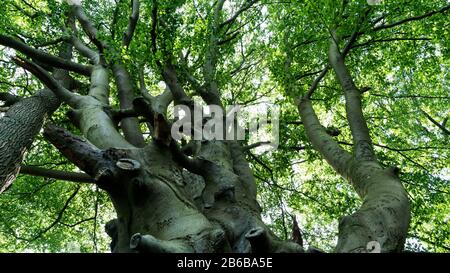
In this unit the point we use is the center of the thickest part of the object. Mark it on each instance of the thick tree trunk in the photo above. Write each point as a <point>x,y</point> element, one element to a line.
<point>18,127</point>
<point>162,207</point>
<point>23,121</point>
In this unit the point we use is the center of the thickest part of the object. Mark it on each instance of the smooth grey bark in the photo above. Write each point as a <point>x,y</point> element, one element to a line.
<point>130,125</point>
<point>385,213</point>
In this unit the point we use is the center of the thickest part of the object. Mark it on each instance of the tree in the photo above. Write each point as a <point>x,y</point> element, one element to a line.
<point>363,132</point>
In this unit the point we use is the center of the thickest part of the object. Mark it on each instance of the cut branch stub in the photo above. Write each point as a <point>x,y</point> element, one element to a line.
<point>258,239</point>
<point>149,244</point>
<point>128,165</point>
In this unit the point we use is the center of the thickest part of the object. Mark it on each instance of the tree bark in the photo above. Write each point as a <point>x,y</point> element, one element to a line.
<point>23,121</point>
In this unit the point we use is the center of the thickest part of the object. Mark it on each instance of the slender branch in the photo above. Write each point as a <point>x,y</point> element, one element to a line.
<point>316,82</point>
<point>45,58</point>
<point>56,221</point>
<point>400,149</point>
<point>95,219</point>
<point>410,19</point>
<point>51,42</point>
<point>255,145</point>
<point>57,174</point>
<point>411,96</point>
<point>247,5</point>
<point>154,25</point>
<point>77,223</point>
<point>62,93</point>
<point>128,35</point>
<point>390,40</point>
<point>442,127</point>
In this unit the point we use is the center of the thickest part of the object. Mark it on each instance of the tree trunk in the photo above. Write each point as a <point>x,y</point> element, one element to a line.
<point>23,121</point>
<point>162,207</point>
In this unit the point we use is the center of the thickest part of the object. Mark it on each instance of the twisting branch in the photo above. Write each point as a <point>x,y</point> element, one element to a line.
<point>60,214</point>
<point>56,221</point>
<point>84,50</point>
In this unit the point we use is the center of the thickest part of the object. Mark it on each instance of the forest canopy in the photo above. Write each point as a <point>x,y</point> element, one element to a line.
<point>88,88</point>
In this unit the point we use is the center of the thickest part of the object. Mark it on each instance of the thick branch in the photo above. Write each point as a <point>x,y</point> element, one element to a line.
<point>358,126</point>
<point>338,158</point>
<point>23,121</point>
<point>171,79</point>
<point>80,152</point>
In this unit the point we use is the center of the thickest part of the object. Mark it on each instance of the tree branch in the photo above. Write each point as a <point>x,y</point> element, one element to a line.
<point>130,126</point>
<point>57,174</point>
<point>337,157</point>
<point>390,40</point>
<point>358,126</point>
<point>43,57</point>
<point>88,27</point>
<point>247,5</point>
<point>62,93</point>
<point>441,126</point>
<point>415,18</point>
<point>134,17</point>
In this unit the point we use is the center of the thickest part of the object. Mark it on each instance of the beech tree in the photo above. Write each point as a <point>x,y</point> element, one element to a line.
<point>89,90</point>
